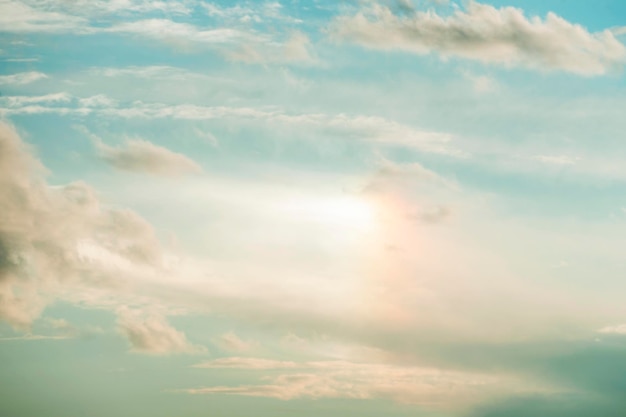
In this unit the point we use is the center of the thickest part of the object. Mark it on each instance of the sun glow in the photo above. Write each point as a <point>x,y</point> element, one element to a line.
<point>343,211</point>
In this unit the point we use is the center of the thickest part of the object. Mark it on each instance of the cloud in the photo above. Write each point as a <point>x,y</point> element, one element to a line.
<point>125,7</point>
<point>236,41</point>
<point>359,127</point>
<point>619,329</point>
<point>503,36</point>
<point>52,16</point>
<point>45,233</point>
<point>412,171</point>
<point>20,101</point>
<point>482,83</point>
<point>32,337</point>
<point>233,343</point>
<point>246,363</point>
<point>296,49</point>
<point>432,215</point>
<point>556,159</point>
<point>19,17</point>
<point>345,379</point>
<point>167,29</point>
<point>152,334</point>
<point>22,78</point>
<point>156,72</point>
<point>142,156</point>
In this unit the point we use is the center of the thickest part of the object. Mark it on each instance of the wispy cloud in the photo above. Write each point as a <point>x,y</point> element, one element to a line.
<point>345,379</point>
<point>19,17</point>
<point>369,128</point>
<point>246,363</point>
<point>22,78</point>
<point>235,39</point>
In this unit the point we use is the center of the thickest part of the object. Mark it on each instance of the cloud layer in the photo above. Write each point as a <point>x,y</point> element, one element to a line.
<point>344,379</point>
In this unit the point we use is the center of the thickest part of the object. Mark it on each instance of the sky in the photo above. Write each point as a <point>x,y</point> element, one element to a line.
<point>312,208</point>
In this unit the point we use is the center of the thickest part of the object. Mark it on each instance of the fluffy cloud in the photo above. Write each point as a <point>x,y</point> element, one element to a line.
<point>502,36</point>
<point>22,78</point>
<point>57,238</point>
<point>142,156</point>
<point>152,334</point>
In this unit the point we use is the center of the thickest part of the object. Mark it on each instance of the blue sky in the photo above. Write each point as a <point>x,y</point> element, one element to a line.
<point>304,208</point>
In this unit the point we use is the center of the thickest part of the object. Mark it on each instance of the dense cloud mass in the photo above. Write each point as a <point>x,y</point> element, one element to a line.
<point>52,237</point>
<point>501,36</point>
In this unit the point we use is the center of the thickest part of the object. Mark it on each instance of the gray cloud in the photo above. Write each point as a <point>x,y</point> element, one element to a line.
<point>482,32</point>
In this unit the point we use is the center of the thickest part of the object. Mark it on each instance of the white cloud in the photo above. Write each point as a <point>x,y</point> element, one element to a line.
<point>22,78</point>
<point>98,7</point>
<point>502,36</point>
<point>99,100</point>
<point>370,128</point>
<point>142,156</point>
<point>19,17</point>
<point>251,12</point>
<point>50,10</point>
<point>156,72</point>
<point>235,41</point>
<point>246,363</point>
<point>231,342</point>
<point>20,101</point>
<point>618,329</point>
<point>152,334</point>
<point>167,29</point>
